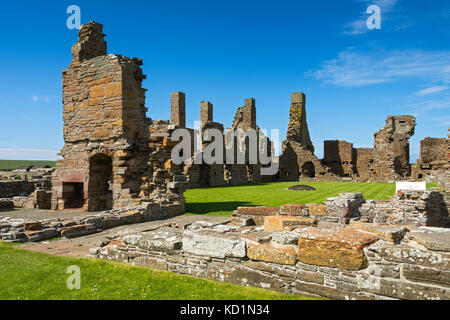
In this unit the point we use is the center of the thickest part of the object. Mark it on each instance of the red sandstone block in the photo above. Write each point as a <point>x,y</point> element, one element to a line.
<point>268,253</point>
<point>336,248</point>
<point>286,223</point>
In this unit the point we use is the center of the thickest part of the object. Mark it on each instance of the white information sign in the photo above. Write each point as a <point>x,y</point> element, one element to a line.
<point>419,186</point>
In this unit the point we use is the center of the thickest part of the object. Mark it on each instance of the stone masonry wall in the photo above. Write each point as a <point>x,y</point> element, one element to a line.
<point>290,254</point>
<point>9,189</point>
<point>434,163</point>
<point>107,157</point>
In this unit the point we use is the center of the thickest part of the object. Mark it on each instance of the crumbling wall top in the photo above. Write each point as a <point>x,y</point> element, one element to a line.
<point>90,43</point>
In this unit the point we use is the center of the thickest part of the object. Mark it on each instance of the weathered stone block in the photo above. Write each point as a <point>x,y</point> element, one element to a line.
<point>78,230</point>
<point>269,253</point>
<point>428,275</point>
<point>285,223</point>
<point>437,241</point>
<point>213,245</point>
<point>402,290</point>
<point>317,210</point>
<point>164,239</point>
<point>403,253</point>
<point>284,238</point>
<point>150,262</point>
<point>243,275</point>
<point>113,90</point>
<point>338,248</point>
<point>292,209</point>
<point>97,91</point>
<point>133,216</point>
<point>307,276</point>
<point>32,225</point>
<point>389,233</point>
<point>256,211</point>
<point>41,234</point>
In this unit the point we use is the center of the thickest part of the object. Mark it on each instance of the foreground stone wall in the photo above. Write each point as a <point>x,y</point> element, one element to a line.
<point>338,262</point>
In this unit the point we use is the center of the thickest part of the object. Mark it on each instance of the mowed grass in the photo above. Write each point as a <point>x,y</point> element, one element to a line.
<point>31,275</point>
<point>14,164</point>
<point>221,201</point>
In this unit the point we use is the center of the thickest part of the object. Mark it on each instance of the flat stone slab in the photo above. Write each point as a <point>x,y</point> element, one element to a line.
<point>257,236</point>
<point>438,240</point>
<point>162,239</point>
<point>286,223</point>
<point>292,209</point>
<point>337,248</point>
<point>284,238</point>
<point>390,233</point>
<point>211,244</point>
<point>257,211</point>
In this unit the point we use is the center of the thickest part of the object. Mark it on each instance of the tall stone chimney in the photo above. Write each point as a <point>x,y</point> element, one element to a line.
<point>206,112</point>
<point>298,127</point>
<point>178,109</point>
<point>249,114</point>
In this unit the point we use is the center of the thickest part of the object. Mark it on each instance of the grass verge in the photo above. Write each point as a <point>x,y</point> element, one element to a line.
<point>31,275</point>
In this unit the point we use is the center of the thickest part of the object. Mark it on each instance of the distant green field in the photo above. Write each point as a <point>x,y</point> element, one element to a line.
<point>14,164</point>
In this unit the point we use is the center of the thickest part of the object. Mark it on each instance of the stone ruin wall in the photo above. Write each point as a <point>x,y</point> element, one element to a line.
<point>206,175</point>
<point>387,161</point>
<point>434,163</point>
<point>29,194</point>
<point>298,160</point>
<point>106,157</point>
<point>302,249</point>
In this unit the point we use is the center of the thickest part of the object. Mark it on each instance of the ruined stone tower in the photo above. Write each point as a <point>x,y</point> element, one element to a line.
<point>391,148</point>
<point>106,132</point>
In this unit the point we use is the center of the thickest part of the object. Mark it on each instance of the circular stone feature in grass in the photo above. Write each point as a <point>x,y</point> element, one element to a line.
<point>301,187</point>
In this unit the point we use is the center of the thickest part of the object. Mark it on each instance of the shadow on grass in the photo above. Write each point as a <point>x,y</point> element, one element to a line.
<point>210,207</point>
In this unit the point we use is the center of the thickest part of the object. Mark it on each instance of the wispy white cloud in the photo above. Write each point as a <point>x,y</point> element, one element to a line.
<point>431,90</point>
<point>357,69</point>
<point>359,25</point>
<point>23,153</point>
<point>421,106</point>
<point>354,69</point>
<point>38,98</point>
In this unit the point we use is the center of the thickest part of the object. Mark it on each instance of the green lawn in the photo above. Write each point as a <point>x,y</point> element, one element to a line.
<point>221,201</point>
<point>14,164</point>
<point>30,275</point>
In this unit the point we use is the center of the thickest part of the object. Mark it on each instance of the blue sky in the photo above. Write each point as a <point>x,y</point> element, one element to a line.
<point>226,51</point>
